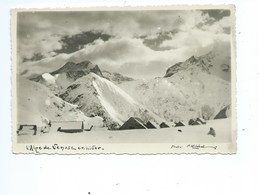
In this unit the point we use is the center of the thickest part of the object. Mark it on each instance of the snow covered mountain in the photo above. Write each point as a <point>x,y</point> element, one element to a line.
<point>116,77</point>
<point>216,63</point>
<point>198,87</point>
<point>84,84</point>
<point>67,74</point>
<point>76,70</point>
<point>96,95</point>
<point>35,102</point>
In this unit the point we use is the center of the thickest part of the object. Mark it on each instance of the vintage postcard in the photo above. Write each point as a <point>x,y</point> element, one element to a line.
<point>124,80</point>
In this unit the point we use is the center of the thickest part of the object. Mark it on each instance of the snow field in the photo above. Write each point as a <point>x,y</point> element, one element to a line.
<point>188,134</point>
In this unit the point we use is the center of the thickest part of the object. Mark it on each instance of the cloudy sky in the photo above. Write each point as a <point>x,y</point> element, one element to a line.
<point>140,44</point>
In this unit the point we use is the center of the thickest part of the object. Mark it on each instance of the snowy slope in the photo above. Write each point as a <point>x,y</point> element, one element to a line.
<point>182,96</point>
<point>36,101</point>
<point>216,62</point>
<point>96,95</point>
<point>197,87</point>
<point>189,134</point>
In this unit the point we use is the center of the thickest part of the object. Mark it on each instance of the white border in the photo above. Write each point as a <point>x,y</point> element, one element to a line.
<point>216,148</point>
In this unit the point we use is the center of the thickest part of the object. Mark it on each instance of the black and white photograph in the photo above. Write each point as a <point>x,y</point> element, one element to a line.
<point>127,97</point>
<point>125,76</point>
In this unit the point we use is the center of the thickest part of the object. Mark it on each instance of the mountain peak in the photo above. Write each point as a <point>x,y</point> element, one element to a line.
<point>173,69</point>
<point>214,62</point>
<point>84,66</point>
<point>76,70</point>
<point>85,63</point>
<point>193,59</point>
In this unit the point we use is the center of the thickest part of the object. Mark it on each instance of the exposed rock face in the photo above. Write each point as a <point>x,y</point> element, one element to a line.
<point>116,77</point>
<point>77,70</point>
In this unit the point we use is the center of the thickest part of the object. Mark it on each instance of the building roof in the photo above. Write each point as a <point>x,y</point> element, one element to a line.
<point>179,123</point>
<point>196,123</point>
<point>70,125</point>
<point>163,124</point>
<point>133,123</point>
<point>224,113</point>
<point>203,121</point>
<point>138,119</point>
<point>151,124</point>
<point>191,121</point>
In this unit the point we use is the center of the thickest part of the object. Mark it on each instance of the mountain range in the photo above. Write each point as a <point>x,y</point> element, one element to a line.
<point>197,87</point>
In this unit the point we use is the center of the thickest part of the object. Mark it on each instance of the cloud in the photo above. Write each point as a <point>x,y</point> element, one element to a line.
<point>195,33</point>
<point>217,14</point>
<point>128,56</point>
<point>200,42</point>
<point>221,26</point>
<point>35,26</point>
<point>76,42</point>
<point>38,43</point>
